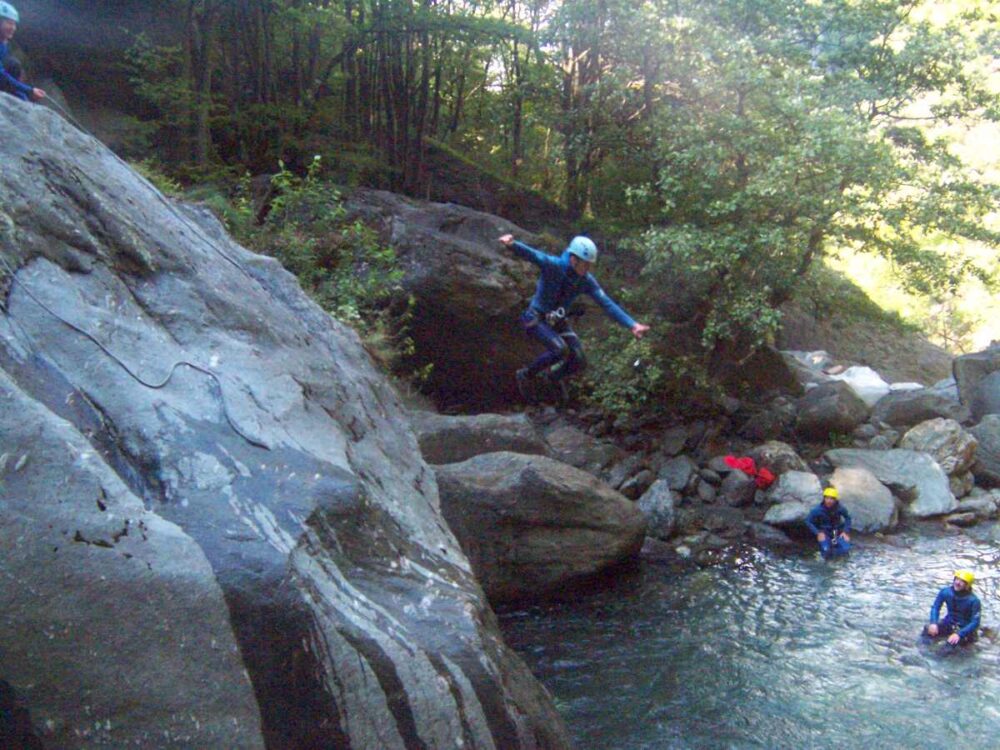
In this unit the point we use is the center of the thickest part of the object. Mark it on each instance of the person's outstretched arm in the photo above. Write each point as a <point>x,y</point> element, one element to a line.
<point>614,310</point>
<point>23,89</point>
<point>526,252</point>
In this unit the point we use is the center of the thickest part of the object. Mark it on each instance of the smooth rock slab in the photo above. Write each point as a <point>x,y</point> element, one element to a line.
<point>870,503</point>
<point>530,525</point>
<point>914,477</point>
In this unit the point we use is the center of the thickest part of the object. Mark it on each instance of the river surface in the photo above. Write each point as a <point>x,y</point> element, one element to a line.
<point>773,651</point>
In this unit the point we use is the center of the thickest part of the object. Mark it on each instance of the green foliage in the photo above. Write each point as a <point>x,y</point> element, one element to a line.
<point>341,263</point>
<point>153,171</point>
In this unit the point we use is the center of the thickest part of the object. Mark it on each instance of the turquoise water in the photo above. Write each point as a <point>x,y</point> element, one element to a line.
<point>773,651</point>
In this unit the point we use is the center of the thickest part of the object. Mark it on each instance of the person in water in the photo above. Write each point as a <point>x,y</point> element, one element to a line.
<point>10,68</point>
<point>561,280</point>
<point>831,523</point>
<point>961,624</point>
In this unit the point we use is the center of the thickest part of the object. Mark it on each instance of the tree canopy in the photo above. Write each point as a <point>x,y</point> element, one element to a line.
<point>731,143</point>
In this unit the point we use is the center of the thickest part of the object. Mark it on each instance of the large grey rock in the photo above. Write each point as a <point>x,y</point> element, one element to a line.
<point>908,408</point>
<point>987,466</point>
<point>677,472</point>
<point>531,525</point>
<point>101,594</point>
<point>986,396</point>
<point>625,469</point>
<point>575,447</point>
<point>777,456</point>
<point>829,409</point>
<point>738,489</point>
<point>953,448</point>
<point>789,516</point>
<point>970,369</point>
<point>196,459</point>
<point>914,477</point>
<point>463,284</point>
<point>869,502</point>
<point>981,502</point>
<point>446,439</point>
<point>657,505</point>
<point>796,486</point>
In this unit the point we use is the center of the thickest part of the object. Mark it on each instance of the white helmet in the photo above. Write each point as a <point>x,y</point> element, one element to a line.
<point>583,248</point>
<point>9,11</point>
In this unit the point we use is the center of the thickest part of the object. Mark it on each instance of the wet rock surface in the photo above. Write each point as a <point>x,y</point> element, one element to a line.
<point>218,525</point>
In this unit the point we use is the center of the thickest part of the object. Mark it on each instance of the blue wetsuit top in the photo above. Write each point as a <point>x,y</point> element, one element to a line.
<point>963,610</point>
<point>828,520</point>
<point>23,91</point>
<point>559,285</point>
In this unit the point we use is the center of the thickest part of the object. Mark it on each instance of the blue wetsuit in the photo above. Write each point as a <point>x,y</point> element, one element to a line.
<point>8,82</point>
<point>832,522</point>
<point>558,285</point>
<point>963,613</point>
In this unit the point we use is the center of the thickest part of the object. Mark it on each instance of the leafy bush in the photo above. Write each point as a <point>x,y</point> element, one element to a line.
<point>340,262</point>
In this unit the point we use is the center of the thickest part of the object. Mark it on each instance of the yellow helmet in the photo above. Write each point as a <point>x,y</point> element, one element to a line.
<point>965,575</point>
<point>831,492</point>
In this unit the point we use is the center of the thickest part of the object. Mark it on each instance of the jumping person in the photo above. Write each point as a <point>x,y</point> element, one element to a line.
<point>10,68</point>
<point>831,523</point>
<point>561,280</point>
<point>961,623</point>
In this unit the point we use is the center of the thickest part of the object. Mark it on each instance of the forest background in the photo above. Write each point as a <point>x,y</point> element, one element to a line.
<point>731,151</point>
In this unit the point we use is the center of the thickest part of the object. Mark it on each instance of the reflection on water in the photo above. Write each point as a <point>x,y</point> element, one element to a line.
<point>773,652</point>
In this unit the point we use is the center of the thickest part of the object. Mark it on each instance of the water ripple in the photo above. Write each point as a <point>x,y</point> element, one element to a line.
<point>773,652</point>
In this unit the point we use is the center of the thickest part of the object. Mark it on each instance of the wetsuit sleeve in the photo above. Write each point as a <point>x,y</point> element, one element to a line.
<point>973,621</point>
<point>811,521</point>
<point>936,606</point>
<point>23,89</point>
<point>847,519</point>
<point>608,305</point>
<point>528,253</point>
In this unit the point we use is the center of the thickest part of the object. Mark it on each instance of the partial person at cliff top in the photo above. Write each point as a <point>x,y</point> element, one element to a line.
<point>10,67</point>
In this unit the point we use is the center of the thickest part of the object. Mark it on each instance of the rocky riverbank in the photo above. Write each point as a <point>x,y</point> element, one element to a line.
<point>899,452</point>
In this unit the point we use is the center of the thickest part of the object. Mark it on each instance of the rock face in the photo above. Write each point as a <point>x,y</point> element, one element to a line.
<point>468,291</point>
<point>907,408</point>
<point>830,408</point>
<point>944,439</point>
<point>658,504</point>
<point>986,398</point>
<point>970,369</point>
<point>987,466</point>
<point>447,439</point>
<point>204,479</point>
<point>914,477</point>
<point>869,502</point>
<point>530,525</point>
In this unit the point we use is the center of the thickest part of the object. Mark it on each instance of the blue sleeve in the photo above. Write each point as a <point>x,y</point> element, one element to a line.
<point>811,521</point>
<point>847,519</point>
<point>23,89</point>
<point>936,606</point>
<point>528,253</point>
<point>973,622</point>
<point>608,305</point>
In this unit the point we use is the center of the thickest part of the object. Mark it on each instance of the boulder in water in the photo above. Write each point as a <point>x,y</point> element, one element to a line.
<point>870,503</point>
<point>914,477</point>
<point>531,525</point>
